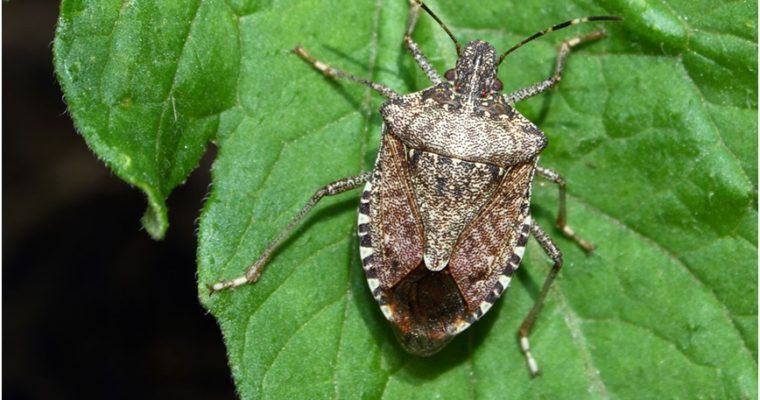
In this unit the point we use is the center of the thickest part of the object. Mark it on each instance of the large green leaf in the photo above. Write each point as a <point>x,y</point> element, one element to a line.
<point>654,128</point>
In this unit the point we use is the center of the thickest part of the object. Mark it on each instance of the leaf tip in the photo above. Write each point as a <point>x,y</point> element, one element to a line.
<point>155,221</point>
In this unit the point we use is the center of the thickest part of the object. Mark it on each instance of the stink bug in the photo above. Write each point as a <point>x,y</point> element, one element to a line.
<point>445,213</point>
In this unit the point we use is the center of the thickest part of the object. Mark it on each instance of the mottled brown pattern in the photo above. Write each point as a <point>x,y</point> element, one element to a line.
<point>449,193</point>
<point>488,242</point>
<point>396,228</point>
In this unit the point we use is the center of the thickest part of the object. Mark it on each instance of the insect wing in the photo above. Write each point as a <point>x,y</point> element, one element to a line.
<point>490,248</point>
<point>389,227</point>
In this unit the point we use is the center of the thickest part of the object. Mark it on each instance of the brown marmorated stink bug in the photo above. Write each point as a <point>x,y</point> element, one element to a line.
<point>445,213</point>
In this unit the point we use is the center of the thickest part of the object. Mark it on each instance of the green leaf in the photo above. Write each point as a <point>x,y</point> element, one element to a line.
<point>145,83</point>
<point>654,129</point>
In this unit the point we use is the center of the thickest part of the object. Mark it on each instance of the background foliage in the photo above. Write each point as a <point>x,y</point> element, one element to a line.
<point>654,128</point>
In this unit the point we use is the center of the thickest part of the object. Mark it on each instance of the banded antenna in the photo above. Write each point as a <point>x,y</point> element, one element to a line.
<point>445,28</point>
<point>556,28</point>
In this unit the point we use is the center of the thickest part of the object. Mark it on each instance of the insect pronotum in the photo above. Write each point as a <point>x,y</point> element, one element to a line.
<point>445,213</point>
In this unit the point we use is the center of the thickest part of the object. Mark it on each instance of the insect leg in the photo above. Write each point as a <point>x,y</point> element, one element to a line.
<point>422,61</point>
<point>551,249</point>
<point>564,51</point>
<point>562,215</point>
<point>254,271</point>
<point>338,74</point>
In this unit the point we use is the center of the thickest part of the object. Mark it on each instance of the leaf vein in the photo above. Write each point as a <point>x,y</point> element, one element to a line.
<point>674,258</point>
<point>657,335</point>
<point>170,98</point>
<point>366,101</point>
<point>576,333</point>
<point>716,131</point>
<point>269,295</point>
<point>292,335</point>
<point>268,175</point>
<point>392,373</point>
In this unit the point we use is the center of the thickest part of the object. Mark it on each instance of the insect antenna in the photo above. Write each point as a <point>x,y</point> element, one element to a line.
<point>556,28</point>
<point>445,28</point>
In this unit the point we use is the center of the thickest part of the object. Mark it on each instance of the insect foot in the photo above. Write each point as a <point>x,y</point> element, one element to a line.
<point>444,216</point>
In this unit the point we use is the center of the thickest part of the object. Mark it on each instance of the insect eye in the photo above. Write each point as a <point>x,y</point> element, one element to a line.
<point>496,86</point>
<point>450,75</point>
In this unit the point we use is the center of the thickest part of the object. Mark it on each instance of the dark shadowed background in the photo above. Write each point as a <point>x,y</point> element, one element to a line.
<point>92,307</point>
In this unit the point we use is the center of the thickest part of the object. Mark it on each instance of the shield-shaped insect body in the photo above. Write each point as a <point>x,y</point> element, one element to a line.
<point>445,213</point>
<point>444,221</point>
